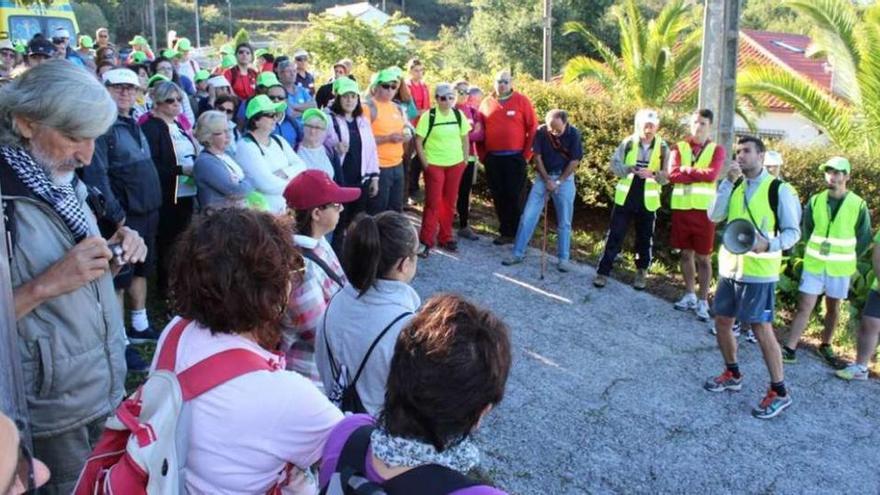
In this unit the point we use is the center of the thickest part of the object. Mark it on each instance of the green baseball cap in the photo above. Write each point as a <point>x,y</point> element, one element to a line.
<point>314,112</point>
<point>156,79</point>
<point>262,104</point>
<point>183,45</point>
<point>385,75</point>
<point>260,52</point>
<point>268,80</point>
<point>138,40</point>
<point>227,50</point>
<point>202,75</point>
<point>227,61</point>
<point>86,41</point>
<point>170,53</point>
<point>138,57</point>
<point>837,163</point>
<point>345,85</point>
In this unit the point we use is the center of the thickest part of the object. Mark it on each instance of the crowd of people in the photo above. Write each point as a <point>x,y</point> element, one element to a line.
<point>269,207</point>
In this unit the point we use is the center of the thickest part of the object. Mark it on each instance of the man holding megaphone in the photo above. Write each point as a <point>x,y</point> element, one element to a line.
<point>746,289</point>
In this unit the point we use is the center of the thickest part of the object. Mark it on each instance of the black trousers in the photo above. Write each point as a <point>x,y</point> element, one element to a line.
<point>412,168</point>
<point>506,175</point>
<point>349,212</point>
<point>621,217</point>
<point>173,219</point>
<point>464,193</point>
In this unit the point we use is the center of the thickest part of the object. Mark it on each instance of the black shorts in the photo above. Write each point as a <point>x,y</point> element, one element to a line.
<point>146,226</point>
<point>872,305</point>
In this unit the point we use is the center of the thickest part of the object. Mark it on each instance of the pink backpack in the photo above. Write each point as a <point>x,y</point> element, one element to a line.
<point>143,447</point>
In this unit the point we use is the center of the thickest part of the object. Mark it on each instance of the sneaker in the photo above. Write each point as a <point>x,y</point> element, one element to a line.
<point>789,356</point>
<point>513,260</point>
<point>564,266</point>
<point>142,337</point>
<point>724,381</point>
<point>750,336</point>
<point>467,233</point>
<point>702,310</point>
<point>827,353</point>
<point>502,240</point>
<point>687,303</point>
<point>736,329</point>
<point>853,372</point>
<point>641,280</point>
<point>134,361</point>
<point>771,405</point>
<point>450,246</point>
<point>423,251</point>
<point>600,281</point>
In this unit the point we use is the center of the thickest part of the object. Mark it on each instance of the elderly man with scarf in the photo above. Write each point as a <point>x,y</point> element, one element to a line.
<point>68,320</point>
<point>558,151</point>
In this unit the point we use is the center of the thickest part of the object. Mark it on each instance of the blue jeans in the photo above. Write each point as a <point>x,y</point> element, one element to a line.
<point>390,196</point>
<point>563,202</point>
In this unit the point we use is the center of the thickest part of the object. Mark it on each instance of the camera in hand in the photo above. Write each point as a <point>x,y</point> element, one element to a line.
<point>116,249</point>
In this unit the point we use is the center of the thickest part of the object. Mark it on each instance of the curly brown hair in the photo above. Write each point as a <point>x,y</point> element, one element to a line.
<point>450,362</point>
<point>232,272</point>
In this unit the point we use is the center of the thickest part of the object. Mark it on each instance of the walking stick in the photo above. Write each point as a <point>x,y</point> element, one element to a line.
<point>544,242</point>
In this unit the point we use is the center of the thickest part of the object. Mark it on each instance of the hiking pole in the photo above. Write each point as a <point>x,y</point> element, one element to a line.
<point>544,241</point>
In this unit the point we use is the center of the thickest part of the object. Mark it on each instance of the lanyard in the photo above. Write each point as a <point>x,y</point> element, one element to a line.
<point>749,211</point>
<point>833,216</point>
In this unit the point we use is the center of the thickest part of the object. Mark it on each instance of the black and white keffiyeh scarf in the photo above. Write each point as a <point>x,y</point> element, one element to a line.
<point>61,197</point>
<point>397,451</point>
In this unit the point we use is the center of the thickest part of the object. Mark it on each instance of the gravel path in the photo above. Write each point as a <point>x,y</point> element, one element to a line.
<point>605,395</point>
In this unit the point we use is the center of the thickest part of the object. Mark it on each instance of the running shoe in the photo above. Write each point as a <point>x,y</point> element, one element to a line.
<point>736,329</point>
<point>724,381</point>
<point>854,371</point>
<point>142,336</point>
<point>827,353</point>
<point>565,266</point>
<point>750,336</point>
<point>771,405</point>
<point>789,356</point>
<point>702,310</point>
<point>687,303</point>
<point>468,233</point>
<point>600,281</point>
<point>641,280</point>
<point>512,260</point>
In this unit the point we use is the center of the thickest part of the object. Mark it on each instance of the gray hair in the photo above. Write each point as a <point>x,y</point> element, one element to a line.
<point>59,95</point>
<point>210,122</point>
<point>557,113</point>
<point>165,90</point>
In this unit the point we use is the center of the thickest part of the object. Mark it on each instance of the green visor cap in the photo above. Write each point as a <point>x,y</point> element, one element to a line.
<point>227,50</point>
<point>86,41</point>
<point>202,75</point>
<point>260,52</point>
<point>268,80</point>
<point>170,53</point>
<point>183,45</point>
<point>315,113</point>
<point>262,104</point>
<point>156,79</point>
<point>837,163</point>
<point>386,75</point>
<point>138,40</point>
<point>345,85</point>
<point>227,61</point>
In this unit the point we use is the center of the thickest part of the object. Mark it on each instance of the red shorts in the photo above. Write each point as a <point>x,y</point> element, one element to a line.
<point>692,229</point>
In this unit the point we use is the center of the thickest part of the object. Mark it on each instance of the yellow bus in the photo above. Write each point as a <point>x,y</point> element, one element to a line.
<point>19,22</point>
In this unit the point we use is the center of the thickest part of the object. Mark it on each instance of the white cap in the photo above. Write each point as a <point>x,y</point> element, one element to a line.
<point>218,82</point>
<point>121,76</point>
<point>62,33</point>
<point>6,45</point>
<point>772,158</point>
<point>300,53</point>
<point>647,116</point>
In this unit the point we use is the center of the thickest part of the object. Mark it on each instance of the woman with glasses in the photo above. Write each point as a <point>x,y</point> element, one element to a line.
<point>287,126</point>
<point>391,132</point>
<point>380,261</point>
<point>351,135</point>
<point>242,76</point>
<point>165,67</point>
<point>472,113</point>
<point>227,105</point>
<point>220,181</point>
<point>174,153</point>
<point>316,202</point>
<point>442,146</point>
<point>267,160</point>
<point>313,150</point>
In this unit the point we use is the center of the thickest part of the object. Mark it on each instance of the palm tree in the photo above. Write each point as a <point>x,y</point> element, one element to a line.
<point>654,55</point>
<point>849,37</point>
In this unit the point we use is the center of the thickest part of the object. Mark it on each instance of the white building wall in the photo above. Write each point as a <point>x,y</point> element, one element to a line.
<point>797,130</point>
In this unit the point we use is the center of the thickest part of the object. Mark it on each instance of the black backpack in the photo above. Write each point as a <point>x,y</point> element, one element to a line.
<point>349,478</point>
<point>432,116</point>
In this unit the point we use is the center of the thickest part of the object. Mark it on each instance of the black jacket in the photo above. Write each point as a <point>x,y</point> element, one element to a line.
<point>123,171</point>
<point>162,151</point>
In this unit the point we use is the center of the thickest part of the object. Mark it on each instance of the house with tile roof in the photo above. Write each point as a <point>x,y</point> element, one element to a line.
<point>370,14</point>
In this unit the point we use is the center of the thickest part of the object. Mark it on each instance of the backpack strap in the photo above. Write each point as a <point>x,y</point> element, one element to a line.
<point>373,346</point>
<point>352,458</point>
<point>168,355</point>
<point>430,479</point>
<point>310,254</point>
<point>774,202</point>
<point>432,116</point>
<point>219,369</point>
<point>374,112</point>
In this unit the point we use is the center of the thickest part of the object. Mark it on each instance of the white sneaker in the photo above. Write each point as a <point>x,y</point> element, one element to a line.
<point>736,329</point>
<point>702,310</point>
<point>750,336</point>
<point>687,303</point>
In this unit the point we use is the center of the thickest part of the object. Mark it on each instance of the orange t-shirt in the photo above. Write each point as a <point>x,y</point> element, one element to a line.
<point>389,120</point>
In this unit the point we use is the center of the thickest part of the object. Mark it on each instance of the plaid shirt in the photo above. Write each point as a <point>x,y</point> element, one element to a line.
<point>306,306</point>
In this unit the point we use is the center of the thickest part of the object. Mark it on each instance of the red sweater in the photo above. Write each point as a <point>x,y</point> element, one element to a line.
<point>679,176</point>
<point>510,125</point>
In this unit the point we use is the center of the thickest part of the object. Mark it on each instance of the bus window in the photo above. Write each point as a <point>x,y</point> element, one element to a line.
<point>24,27</point>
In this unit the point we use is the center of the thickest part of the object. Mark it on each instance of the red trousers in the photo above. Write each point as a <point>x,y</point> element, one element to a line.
<point>441,194</point>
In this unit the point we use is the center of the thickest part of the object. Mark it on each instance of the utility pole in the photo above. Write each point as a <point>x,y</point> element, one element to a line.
<point>548,38</point>
<point>198,34</point>
<point>718,66</point>
<point>165,8</point>
<point>151,18</point>
<point>229,9</point>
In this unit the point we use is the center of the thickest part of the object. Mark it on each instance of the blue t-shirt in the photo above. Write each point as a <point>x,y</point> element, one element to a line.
<point>554,161</point>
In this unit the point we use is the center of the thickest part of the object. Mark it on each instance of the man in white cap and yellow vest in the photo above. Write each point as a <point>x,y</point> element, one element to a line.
<point>640,165</point>
<point>696,164</point>
<point>746,289</point>
<point>837,229</point>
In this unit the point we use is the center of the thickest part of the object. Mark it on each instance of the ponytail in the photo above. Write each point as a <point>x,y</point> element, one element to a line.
<point>374,245</point>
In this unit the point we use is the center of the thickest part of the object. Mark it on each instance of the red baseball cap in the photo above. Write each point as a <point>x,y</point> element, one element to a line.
<point>314,188</point>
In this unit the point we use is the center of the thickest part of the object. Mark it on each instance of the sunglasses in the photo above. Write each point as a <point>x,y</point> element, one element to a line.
<point>228,111</point>
<point>392,87</point>
<point>171,101</point>
<point>301,59</point>
<point>446,98</point>
<point>58,41</point>
<point>276,98</point>
<point>263,115</point>
<point>503,81</point>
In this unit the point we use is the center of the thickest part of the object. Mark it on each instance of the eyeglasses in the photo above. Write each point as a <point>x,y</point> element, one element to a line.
<point>446,98</point>
<point>171,101</point>
<point>392,87</point>
<point>123,88</point>
<point>263,115</point>
<point>503,81</point>
<point>301,59</point>
<point>58,41</point>
<point>166,70</point>
<point>462,92</point>
<point>314,127</point>
<point>277,98</point>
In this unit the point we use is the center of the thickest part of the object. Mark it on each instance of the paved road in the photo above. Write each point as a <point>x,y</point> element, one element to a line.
<point>605,395</point>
